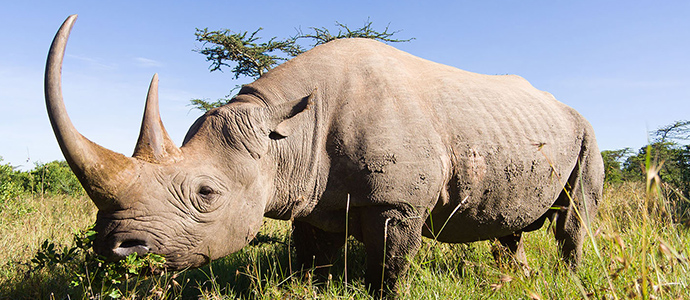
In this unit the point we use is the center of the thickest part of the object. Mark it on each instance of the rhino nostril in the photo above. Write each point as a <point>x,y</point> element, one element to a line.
<point>128,247</point>
<point>132,243</point>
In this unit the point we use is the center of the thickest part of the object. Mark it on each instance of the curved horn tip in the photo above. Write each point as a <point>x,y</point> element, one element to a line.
<point>153,88</point>
<point>70,20</point>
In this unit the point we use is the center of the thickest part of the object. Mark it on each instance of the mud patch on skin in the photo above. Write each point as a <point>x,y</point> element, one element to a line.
<point>476,167</point>
<point>377,163</point>
<point>513,171</point>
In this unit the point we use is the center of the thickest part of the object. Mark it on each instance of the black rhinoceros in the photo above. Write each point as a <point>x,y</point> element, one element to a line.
<point>419,148</point>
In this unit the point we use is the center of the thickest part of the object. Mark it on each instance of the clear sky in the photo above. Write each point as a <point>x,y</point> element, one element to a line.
<point>621,64</point>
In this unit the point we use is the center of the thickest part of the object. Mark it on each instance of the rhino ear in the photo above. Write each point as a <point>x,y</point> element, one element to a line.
<point>283,121</point>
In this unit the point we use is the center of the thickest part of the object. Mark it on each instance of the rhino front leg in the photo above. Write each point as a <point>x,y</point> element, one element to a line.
<point>392,238</point>
<point>315,248</point>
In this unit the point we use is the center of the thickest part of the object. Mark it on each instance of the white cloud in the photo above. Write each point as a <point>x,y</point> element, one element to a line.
<point>145,62</point>
<point>92,62</point>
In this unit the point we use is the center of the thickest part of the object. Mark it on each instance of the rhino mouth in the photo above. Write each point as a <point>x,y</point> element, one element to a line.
<point>115,246</point>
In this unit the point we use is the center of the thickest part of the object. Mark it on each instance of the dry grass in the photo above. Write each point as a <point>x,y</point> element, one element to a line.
<point>25,223</point>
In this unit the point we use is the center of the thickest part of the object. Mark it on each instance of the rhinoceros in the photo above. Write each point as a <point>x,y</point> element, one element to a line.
<point>350,132</point>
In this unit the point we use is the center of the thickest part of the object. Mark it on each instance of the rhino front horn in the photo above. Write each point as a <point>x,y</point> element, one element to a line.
<point>99,170</point>
<point>154,144</point>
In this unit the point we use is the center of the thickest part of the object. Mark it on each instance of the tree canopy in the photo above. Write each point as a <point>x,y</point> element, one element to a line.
<point>677,132</point>
<point>247,56</point>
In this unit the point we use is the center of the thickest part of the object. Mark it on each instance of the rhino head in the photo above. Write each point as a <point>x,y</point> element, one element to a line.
<point>193,203</point>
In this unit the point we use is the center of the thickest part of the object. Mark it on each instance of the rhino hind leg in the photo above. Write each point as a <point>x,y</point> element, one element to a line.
<point>510,250</point>
<point>578,205</point>
<point>392,237</point>
<point>315,248</point>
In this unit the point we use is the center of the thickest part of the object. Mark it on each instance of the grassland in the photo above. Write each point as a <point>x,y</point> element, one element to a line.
<point>635,251</point>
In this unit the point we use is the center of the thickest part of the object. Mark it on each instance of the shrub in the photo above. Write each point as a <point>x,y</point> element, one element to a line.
<point>89,274</point>
<point>54,178</point>
<point>9,187</point>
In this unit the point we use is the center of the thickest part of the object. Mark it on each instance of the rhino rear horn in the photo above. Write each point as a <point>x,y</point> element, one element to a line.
<point>102,172</point>
<point>154,144</point>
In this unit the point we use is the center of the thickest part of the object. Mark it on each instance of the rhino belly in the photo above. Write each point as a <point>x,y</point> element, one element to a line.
<point>471,226</point>
<point>491,208</point>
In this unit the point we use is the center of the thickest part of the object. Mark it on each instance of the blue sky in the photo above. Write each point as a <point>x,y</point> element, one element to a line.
<point>621,64</point>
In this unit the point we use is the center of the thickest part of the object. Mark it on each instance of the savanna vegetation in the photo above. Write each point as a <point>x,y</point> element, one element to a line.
<point>637,246</point>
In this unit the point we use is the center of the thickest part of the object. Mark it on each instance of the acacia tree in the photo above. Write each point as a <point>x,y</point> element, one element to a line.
<point>679,131</point>
<point>247,56</point>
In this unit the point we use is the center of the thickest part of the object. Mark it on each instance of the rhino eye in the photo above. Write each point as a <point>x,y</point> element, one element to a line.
<point>205,198</point>
<point>206,192</point>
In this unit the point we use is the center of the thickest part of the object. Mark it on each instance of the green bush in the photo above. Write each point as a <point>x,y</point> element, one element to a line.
<point>89,274</point>
<point>9,185</point>
<point>54,178</point>
<point>612,164</point>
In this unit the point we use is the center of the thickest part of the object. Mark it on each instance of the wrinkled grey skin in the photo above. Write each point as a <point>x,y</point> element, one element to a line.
<point>414,144</point>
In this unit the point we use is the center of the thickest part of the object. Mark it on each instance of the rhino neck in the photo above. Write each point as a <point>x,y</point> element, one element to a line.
<point>300,166</point>
<point>300,160</point>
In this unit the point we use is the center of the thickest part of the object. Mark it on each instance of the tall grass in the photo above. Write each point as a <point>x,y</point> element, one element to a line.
<point>643,254</point>
<point>27,221</point>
